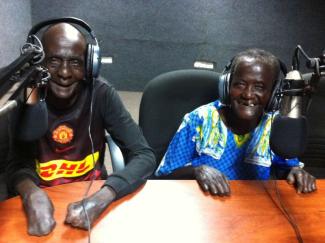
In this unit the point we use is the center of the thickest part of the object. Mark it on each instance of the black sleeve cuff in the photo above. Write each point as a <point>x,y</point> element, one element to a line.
<point>121,186</point>
<point>19,176</point>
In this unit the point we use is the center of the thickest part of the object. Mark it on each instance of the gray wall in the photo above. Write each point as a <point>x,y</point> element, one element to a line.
<point>15,19</point>
<point>147,38</point>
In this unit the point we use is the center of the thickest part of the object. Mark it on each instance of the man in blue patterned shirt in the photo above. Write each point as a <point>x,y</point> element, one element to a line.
<point>217,142</point>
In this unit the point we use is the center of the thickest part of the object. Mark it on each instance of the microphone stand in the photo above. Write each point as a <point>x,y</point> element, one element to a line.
<point>23,72</point>
<point>315,63</point>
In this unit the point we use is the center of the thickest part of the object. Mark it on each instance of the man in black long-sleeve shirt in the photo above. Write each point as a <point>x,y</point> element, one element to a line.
<point>64,154</point>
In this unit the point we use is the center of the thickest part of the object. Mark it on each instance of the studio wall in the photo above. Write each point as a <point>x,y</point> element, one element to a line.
<point>147,38</point>
<point>15,19</point>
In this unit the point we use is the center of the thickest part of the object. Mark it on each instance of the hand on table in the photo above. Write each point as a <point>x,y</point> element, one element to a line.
<point>303,181</point>
<point>94,206</point>
<point>212,180</point>
<point>39,210</point>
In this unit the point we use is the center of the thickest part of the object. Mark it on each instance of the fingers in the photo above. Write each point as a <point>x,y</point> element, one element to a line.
<point>212,181</point>
<point>300,181</point>
<point>305,182</point>
<point>221,191</point>
<point>76,216</point>
<point>309,183</point>
<point>314,187</point>
<point>214,190</point>
<point>42,228</point>
<point>291,178</point>
<point>203,185</point>
<point>219,188</point>
<point>226,185</point>
<point>39,210</point>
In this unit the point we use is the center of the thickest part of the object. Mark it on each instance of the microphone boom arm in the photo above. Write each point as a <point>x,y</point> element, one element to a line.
<point>23,72</point>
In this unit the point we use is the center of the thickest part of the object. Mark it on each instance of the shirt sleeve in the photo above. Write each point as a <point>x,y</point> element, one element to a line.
<point>182,148</point>
<point>21,163</point>
<point>285,163</point>
<point>139,158</point>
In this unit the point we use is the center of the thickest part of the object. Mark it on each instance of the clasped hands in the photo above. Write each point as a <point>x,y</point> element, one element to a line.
<point>214,182</point>
<point>40,210</point>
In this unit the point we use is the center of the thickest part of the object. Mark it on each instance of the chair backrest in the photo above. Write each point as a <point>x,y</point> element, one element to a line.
<point>314,155</point>
<point>168,97</point>
<point>117,158</point>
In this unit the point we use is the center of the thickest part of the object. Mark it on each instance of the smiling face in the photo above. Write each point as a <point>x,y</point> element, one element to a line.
<point>64,48</point>
<point>250,90</point>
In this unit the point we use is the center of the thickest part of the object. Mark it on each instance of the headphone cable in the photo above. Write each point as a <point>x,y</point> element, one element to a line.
<point>281,205</point>
<point>30,93</point>
<point>283,209</point>
<point>93,160</point>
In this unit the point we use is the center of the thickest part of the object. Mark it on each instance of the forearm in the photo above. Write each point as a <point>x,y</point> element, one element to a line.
<point>26,187</point>
<point>137,170</point>
<point>186,172</point>
<point>139,158</point>
<point>104,197</point>
<point>93,206</point>
<point>19,180</point>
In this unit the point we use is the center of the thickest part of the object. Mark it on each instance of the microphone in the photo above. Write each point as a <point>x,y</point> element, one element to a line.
<point>34,122</point>
<point>26,71</point>
<point>289,130</point>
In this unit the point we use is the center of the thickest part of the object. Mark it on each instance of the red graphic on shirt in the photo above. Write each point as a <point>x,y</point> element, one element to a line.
<point>62,134</point>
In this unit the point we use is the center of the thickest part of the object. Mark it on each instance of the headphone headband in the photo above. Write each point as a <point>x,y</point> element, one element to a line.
<point>93,55</point>
<point>225,82</point>
<point>71,20</point>
<point>282,65</point>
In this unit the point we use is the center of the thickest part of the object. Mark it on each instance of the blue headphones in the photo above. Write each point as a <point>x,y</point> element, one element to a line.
<point>93,55</point>
<point>225,81</point>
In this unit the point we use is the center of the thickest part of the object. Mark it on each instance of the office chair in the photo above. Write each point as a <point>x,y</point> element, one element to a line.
<point>314,155</point>
<point>167,98</point>
<point>117,158</point>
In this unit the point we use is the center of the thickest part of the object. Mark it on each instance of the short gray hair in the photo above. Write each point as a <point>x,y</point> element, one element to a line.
<point>259,55</point>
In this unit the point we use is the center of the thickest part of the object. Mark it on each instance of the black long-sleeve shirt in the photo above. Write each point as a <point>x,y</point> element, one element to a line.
<point>67,141</point>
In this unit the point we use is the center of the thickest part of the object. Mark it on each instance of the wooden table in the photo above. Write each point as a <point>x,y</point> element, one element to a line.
<point>178,211</point>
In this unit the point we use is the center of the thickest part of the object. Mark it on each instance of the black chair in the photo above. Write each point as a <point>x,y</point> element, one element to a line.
<point>117,158</point>
<point>314,156</point>
<point>167,98</point>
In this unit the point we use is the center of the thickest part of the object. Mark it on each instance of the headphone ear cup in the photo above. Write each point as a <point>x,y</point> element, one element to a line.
<point>93,62</point>
<point>223,86</point>
<point>96,61</point>
<point>274,101</point>
<point>89,63</point>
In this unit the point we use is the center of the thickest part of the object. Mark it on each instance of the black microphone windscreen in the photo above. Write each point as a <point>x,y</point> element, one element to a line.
<point>288,137</point>
<point>34,122</point>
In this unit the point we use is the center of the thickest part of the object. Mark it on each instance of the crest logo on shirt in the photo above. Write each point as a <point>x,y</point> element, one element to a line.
<point>62,134</point>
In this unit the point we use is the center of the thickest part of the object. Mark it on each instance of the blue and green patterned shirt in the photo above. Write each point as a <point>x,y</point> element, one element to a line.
<point>203,139</point>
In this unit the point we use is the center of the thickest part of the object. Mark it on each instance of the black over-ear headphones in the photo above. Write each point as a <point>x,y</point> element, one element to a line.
<point>93,55</point>
<point>225,80</point>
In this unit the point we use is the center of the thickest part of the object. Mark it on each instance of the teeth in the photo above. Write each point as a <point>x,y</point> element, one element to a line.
<point>251,105</point>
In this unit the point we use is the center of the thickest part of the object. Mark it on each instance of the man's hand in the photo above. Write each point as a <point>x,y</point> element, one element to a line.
<point>303,181</point>
<point>211,180</point>
<point>94,206</point>
<point>38,208</point>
